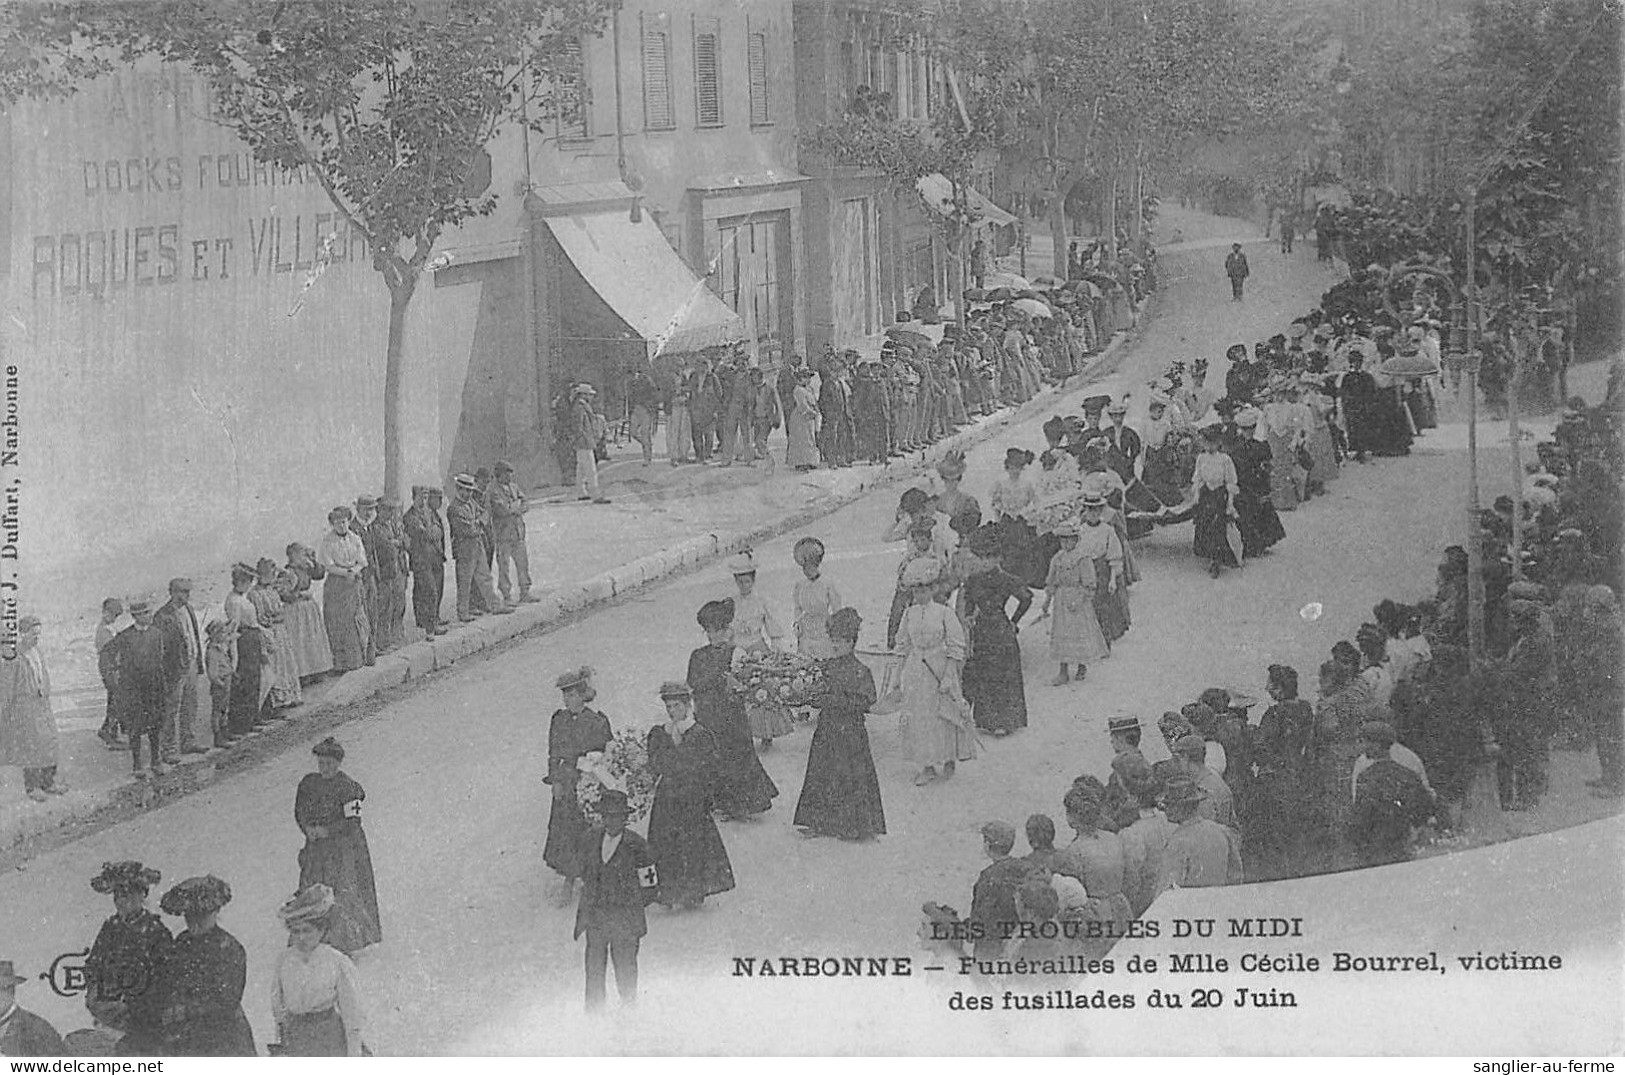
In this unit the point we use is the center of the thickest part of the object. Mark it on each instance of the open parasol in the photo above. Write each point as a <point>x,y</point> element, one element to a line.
<point>1415,364</point>
<point>1013,281</point>
<point>1033,307</point>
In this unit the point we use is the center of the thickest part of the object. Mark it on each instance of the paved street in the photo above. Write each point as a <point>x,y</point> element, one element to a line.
<point>474,960</point>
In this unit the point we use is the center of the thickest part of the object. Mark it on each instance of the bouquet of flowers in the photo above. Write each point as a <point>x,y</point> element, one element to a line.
<point>777,679</point>
<point>622,765</point>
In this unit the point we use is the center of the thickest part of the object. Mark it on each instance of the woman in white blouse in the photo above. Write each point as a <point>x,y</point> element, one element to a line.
<point>315,994</point>
<point>1211,503</point>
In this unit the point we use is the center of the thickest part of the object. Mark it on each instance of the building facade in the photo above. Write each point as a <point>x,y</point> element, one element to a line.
<point>199,340</point>
<point>870,246</point>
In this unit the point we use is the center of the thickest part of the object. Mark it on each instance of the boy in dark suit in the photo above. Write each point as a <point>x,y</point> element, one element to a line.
<point>618,882</point>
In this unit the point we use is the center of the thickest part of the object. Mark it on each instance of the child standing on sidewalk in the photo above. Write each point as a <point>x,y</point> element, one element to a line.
<point>217,662</point>
<point>112,609</point>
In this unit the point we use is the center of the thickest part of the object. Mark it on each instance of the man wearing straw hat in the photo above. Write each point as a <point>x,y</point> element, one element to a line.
<point>1200,852</point>
<point>586,427</point>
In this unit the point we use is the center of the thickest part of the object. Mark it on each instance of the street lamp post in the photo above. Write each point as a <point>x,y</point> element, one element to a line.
<point>1475,551</point>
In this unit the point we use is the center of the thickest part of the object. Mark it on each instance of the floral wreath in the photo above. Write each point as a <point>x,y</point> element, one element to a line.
<point>623,765</point>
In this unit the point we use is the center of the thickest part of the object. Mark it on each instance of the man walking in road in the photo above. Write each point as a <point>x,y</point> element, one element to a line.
<point>507,506</point>
<point>1235,267</point>
<point>467,518</point>
<point>426,549</point>
<point>184,652</point>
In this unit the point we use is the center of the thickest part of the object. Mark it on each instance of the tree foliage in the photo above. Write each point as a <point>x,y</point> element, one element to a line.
<point>387,103</point>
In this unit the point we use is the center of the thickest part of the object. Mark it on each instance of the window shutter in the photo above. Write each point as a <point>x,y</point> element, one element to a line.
<point>707,75</point>
<point>656,79</point>
<point>759,110</point>
<point>570,98</point>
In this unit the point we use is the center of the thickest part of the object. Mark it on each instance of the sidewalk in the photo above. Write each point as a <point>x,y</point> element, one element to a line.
<point>662,520</point>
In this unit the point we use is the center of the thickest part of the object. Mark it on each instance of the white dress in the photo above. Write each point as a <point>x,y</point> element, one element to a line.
<point>757,630</point>
<point>324,980</point>
<point>935,718</point>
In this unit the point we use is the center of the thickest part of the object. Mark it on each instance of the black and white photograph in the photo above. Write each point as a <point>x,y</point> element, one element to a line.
<point>875,528</point>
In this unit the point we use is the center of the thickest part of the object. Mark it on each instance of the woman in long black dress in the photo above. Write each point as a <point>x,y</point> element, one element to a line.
<point>1211,504</point>
<point>743,787</point>
<point>992,678</point>
<point>841,793</point>
<point>1359,400</point>
<point>1279,831</point>
<point>574,731</point>
<point>683,840</point>
<point>1255,512</point>
<point>128,949</point>
<point>327,808</point>
<point>198,991</point>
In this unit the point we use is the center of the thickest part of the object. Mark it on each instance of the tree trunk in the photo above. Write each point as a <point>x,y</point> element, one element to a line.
<point>1058,231</point>
<point>400,297</point>
<point>1137,221</point>
<point>1110,229</point>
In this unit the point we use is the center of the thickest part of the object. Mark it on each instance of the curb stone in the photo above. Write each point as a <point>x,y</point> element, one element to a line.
<point>418,659</point>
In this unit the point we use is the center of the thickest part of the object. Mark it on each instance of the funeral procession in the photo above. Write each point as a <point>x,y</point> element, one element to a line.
<point>811,527</point>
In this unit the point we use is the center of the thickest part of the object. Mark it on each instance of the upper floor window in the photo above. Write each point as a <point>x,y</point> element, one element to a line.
<point>571,95</point>
<point>760,109</point>
<point>707,73</point>
<point>657,110</point>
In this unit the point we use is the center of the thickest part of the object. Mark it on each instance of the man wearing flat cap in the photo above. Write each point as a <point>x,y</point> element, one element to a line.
<point>426,555</point>
<point>1389,801</point>
<point>389,538</point>
<point>366,510</point>
<point>143,663</point>
<point>27,728</point>
<point>506,503</point>
<point>184,651</point>
<point>467,518</point>
<point>22,1033</point>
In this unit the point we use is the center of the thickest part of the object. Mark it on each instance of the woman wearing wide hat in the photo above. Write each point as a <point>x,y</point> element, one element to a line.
<point>992,678</point>
<point>1075,637</point>
<point>199,989</point>
<point>683,839</point>
<point>937,731</point>
<point>841,793</point>
<point>743,787</point>
<point>315,992</point>
<point>574,731</point>
<point>952,500</point>
<point>128,949</point>
<point>327,807</point>
<point>756,630</point>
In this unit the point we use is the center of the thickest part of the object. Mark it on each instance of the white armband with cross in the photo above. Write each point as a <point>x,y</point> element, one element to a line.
<point>647,878</point>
